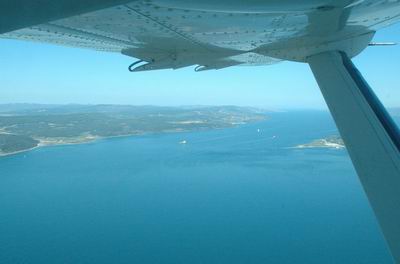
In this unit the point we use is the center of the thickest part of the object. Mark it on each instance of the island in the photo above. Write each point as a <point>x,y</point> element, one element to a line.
<point>336,142</point>
<point>27,126</point>
<point>330,142</point>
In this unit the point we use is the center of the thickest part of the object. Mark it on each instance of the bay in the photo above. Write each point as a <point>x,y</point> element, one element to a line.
<point>237,195</point>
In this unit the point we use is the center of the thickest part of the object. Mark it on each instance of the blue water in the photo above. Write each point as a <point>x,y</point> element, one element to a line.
<point>228,196</point>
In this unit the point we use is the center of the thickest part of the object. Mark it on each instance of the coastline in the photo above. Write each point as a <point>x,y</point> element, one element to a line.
<point>91,139</point>
<point>46,143</point>
<point>80,124</point>
<point>2,154</point>
<point>330,143</point>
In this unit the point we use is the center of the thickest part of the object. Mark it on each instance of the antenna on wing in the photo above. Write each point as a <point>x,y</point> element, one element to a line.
<point>382,44</point>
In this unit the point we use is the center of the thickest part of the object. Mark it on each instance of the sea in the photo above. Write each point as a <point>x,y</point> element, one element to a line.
<point>235,195</point>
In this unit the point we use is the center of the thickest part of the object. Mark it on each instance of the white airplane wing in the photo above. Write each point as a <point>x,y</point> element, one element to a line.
<point>174,34</point>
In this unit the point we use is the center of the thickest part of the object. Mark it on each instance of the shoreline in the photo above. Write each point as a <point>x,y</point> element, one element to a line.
<point>48,143</point>
<point>327,143</point>
<point>2,155</point>
<point>43,144</point>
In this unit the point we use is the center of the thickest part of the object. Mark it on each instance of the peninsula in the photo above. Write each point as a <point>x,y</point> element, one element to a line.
<point>27,126</point>
<point>330,142</point>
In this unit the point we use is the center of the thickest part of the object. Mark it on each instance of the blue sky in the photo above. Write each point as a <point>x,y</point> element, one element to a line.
<point>42,73</point>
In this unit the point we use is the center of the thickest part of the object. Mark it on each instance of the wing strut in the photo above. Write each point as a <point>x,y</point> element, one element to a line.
<point>370,135</point>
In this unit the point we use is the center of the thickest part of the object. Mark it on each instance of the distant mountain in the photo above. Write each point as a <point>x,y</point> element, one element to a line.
<point>6,108</point>
<point>34,109</point>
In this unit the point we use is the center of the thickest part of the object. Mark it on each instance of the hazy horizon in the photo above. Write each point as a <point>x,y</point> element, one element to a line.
<point>170,105</point>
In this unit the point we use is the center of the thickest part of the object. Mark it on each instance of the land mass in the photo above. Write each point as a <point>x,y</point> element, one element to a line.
<point>329,142</point>
<point>27,126</point>
<point>336,141</point>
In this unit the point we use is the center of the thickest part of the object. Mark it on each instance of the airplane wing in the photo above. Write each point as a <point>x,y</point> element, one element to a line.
<point>173,34</point>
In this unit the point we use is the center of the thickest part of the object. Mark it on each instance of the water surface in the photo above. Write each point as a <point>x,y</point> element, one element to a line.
<point>227,196</point>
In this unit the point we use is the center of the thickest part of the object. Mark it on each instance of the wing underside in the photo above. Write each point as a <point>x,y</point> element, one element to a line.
<point>175,37</point>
